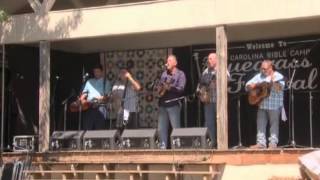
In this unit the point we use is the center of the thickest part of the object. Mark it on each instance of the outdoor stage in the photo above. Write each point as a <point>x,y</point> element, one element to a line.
<point>163,164</point>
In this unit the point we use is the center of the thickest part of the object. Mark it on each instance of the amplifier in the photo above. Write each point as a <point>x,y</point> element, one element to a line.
<point>139,139</point>
<point>25,143</point>
<point>66,140</point>
<point>101,139</point>
<point>190,138</point>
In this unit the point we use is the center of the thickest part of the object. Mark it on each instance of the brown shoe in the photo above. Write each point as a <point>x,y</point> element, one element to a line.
<point>272,146</point>
<point>257,146</point>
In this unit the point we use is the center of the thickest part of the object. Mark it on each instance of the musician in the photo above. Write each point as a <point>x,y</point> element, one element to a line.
<point>171,85</point>
<point>207,92</point>
<point>126,88</point>
<point>95,90</point>
<point>270,107</point>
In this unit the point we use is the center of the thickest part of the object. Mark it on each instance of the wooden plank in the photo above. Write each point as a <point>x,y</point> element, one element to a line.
<point>41,169</point>
<point>222,93</point>
<point>203,157</point>
<point>44,96</point>
<point>212,171</point>
<point>119,171</point>
<point>106,169</point>
<point>73,169</point>
<point>98,177</point>
<point>174,170</point>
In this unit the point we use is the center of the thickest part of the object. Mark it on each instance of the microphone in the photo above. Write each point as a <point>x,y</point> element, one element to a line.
<point>85,76</point>
<point>57,77</point>
<point>153,83</point>
<point>164,66</point>
<point>19,76</point>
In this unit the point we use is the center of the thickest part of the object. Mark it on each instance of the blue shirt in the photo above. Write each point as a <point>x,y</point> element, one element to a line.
<point>94,88</point>
<point>275,99</point>
<point>177,81</point>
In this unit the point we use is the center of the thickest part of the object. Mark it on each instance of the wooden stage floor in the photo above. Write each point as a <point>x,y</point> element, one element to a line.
<point>202,164</point>
<point>193,156</point>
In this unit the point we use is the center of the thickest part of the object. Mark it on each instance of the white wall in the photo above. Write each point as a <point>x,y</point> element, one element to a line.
<point>160,16</point>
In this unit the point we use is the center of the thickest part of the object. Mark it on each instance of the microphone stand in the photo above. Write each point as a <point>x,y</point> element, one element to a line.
<point>291,112</point>
<point>52,104</point>
<point>310,118</point>
<point>239,146</point>
<point>65,104</point>
<point>196,58</point>
<point>3,100</point>
<point>84,80</point>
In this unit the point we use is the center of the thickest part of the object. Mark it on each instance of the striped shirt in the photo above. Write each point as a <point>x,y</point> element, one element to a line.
<point>131,97</point>
<point>275,99</point>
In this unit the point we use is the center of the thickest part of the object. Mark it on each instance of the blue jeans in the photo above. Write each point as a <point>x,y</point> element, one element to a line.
<point>94,119</point>
<point>273,116</point>
<point>210,120</point>
<point>167,115</point>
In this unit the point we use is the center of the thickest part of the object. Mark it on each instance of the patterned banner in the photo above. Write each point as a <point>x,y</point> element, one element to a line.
<point>145,66</point>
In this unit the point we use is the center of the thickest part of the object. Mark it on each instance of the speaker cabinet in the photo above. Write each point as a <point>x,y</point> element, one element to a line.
<point>101,139</point>
<point>66,140</point>
<point>190,138</point>
<point>139,139</point>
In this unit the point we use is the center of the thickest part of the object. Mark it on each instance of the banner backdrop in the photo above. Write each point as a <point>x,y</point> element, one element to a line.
<point>296,58</point>
<point>146,66</point>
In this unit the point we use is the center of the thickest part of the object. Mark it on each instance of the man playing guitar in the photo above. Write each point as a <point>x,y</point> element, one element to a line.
<point>270,106</point>
<point>173,81</point>
<point>207,93</point>
<point>94,93</point>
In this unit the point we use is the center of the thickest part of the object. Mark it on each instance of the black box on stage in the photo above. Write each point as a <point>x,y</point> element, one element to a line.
<point>139,139</point>
<point>25,143</point>
<point>190,138</point>
<point>101,139</point>
<point>66,140</point>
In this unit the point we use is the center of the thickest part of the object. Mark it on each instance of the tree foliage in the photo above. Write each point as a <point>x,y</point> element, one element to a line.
<point>3,15</point>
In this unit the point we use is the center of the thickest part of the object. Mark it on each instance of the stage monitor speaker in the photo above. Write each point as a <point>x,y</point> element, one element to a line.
<point>139,139</point>
<point>66,140</point>
<point>190,138</point>
<point>101,139</point>
<point>25,143</point>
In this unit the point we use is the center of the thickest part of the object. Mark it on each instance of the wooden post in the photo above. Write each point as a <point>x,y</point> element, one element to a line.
<point>222,84</point>
<point>44,96</point>
<point>44,80</point>
<point>35,5</point>
<point>43,7</point>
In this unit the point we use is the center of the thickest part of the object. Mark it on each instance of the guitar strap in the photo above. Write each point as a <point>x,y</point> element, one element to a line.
<point>124,93</point>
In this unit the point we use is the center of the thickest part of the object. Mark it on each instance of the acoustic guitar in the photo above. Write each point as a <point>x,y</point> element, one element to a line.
<point>163,88</point>
<point>261,91</point>
<point>84,104</point>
